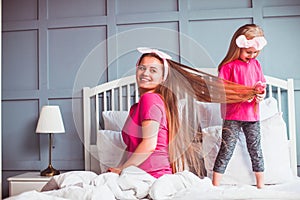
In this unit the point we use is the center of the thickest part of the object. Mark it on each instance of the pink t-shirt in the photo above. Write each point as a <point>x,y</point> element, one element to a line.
<point>149,107</point>
<point>246,74</point>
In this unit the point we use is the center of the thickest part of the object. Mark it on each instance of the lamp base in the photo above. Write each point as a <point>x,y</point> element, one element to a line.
<point>50,171</point>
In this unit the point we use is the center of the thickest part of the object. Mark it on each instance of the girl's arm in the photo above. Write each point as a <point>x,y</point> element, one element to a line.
<point>145,148</point>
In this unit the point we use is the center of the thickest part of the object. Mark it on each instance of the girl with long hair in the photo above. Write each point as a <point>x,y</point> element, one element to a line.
<point>240,66</point>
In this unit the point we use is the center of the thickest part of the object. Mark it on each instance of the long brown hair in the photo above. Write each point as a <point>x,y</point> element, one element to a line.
<point>250,31</point>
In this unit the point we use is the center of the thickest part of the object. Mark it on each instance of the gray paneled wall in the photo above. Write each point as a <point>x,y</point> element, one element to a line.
<point>52,48</point>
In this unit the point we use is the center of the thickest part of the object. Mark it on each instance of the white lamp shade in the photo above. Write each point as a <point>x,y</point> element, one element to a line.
<point>50,120</point>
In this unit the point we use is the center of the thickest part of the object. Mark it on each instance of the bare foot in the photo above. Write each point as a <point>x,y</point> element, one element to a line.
<point>260,186</point>
<point>216,178</point>
<point>259,180</point>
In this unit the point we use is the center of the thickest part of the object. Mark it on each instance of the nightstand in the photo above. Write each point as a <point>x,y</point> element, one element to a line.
<point>26,182</point>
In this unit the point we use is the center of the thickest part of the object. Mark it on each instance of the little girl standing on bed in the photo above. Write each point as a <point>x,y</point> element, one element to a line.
<point>240,66</point>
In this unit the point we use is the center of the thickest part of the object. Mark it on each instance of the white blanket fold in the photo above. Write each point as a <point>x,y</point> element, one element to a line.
<point>132,184</point>
<point>167,186</point>
<point>135,183</point>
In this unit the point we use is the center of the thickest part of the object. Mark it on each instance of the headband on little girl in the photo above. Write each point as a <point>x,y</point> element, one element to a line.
<point>258,42</point>
<point>161,54</point>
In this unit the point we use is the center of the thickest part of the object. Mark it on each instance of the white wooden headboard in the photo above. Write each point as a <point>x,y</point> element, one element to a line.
<point>120,94</point>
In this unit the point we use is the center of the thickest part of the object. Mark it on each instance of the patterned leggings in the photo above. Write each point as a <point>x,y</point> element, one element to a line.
<point>230,132</point>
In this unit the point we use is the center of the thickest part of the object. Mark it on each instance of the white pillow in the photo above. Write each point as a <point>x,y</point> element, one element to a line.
<point>268,108</point>
<point>209,114</point>
<point>275,146</point>
<point>275,150</point>
<point>114,120</point>
<point>111,149</point>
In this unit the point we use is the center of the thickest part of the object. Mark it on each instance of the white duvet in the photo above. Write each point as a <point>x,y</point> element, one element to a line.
<point>134,183</point>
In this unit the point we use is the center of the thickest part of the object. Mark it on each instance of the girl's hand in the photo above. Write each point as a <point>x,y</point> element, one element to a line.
<point>260,97</point>
<point>115,170</point>
<point>261,88</point>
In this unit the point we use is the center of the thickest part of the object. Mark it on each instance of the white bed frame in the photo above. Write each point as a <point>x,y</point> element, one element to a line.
<point>117,98</point>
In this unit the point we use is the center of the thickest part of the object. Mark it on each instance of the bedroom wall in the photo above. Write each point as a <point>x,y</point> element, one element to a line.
<point>52,48</point>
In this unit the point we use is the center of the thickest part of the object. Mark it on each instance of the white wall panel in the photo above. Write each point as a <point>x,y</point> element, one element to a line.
<point>20,142</point>
<point>20,60</point>
<point>75,8</point>
<point>278,3</point>
<point>19,10</point>
<point>145,6</point>
<point>218,4</point>
<point>282,50</point>
<point>68,49</point>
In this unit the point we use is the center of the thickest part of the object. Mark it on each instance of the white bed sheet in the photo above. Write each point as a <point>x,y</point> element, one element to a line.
<point>137,184</point>
<point>284,191</point>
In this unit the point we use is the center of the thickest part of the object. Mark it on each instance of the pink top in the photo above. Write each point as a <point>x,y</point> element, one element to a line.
<point>150,107</point>
<point>246,74</point>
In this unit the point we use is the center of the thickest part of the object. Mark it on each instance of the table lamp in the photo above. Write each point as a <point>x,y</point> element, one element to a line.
<point>50,121</point>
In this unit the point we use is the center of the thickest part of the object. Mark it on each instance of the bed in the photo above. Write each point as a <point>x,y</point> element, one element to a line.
<point>105,108</point>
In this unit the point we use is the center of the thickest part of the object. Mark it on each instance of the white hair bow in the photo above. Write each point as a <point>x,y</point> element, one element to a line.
<point>161,54</point>
<point>258,42</point>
